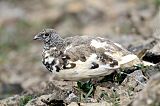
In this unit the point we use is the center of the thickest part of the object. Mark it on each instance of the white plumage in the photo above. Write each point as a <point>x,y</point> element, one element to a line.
<point>83,57</point>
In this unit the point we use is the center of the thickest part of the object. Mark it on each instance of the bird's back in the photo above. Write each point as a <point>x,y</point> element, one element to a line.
<point>82,57</point>
<point>93,57</point>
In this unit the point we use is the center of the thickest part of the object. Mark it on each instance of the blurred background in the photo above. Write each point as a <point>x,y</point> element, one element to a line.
<point>128,22</point>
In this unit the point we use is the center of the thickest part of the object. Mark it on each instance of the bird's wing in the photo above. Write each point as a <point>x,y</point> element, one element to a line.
<point>93,58</point>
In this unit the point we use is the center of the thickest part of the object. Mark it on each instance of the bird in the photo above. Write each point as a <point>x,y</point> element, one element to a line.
<point>82,57</point>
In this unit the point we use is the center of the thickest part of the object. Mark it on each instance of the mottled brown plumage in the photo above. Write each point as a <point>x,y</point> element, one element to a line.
<point>82,57</point>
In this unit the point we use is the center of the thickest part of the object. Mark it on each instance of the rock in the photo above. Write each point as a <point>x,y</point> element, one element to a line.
<point>156,49</point>
<point>96,104</point>
<point>51,94</point>
<point>150,96</point>
<point>99,90</point>
<point>73,104</point>
<point>111,96</point>
<point>45,100</point>
<point>141,49</point>
<point>72,97</point>
<point>90,104</point>
<point>11,101</point>
<point>135,80</point>
<point>63,84</point>
<point>151,70</point>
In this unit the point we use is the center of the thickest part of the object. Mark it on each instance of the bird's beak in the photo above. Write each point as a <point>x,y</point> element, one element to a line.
<point>37,37</point>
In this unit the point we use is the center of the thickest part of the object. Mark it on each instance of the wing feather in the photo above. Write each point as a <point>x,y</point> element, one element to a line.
<point>82,54</point>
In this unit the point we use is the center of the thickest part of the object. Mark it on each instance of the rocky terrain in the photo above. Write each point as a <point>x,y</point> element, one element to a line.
<point>24,81</point>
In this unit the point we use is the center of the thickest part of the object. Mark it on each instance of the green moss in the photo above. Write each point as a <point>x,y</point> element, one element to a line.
<point>85,86</point>
<point>86,89</point>
<point>24,100</point>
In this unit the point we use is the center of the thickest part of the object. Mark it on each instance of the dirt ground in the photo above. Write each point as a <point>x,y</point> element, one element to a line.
<point>135,24</point>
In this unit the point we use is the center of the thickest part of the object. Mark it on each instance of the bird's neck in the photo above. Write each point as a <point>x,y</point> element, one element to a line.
<point>57,42</point>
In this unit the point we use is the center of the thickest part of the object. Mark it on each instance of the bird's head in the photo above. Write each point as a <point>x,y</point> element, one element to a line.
<point>49,36</point>
<point>46,34</point>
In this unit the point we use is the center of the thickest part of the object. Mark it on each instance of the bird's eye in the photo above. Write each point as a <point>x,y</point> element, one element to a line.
<point>46,34</point>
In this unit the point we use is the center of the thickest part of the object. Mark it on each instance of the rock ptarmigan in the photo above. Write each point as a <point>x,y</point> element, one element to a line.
<point>82,57</point>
